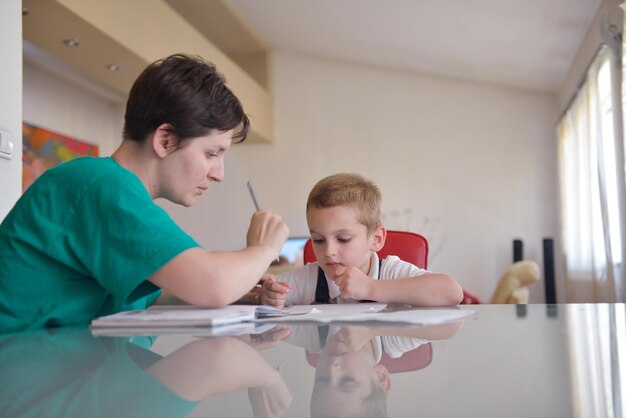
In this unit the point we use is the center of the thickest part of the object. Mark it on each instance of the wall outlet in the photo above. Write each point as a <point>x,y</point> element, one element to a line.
<point>6,145</point>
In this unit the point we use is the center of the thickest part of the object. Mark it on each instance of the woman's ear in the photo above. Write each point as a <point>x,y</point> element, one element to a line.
<point>380,235</point>
<point>163,140</point>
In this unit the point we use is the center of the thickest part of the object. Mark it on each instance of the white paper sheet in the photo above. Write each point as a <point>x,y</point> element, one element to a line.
<point>364,312</point>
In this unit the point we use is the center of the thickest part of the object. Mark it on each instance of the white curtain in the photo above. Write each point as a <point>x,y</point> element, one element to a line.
<point>597,347</point>
<point>591,169</point>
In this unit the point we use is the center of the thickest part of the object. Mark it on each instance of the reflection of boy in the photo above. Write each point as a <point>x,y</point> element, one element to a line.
<point>350,381</point>
<point>343,214</point>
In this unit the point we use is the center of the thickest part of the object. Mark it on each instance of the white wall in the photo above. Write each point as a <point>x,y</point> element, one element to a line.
<point>470,166</point>
<point>11,101</point>
<point>53,103</point>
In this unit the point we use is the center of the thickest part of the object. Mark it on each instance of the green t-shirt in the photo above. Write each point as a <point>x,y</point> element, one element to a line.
<point>81,242</point>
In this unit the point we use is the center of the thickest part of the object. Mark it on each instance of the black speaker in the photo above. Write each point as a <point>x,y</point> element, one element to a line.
<point>518,250</point>
<point>548,269</point>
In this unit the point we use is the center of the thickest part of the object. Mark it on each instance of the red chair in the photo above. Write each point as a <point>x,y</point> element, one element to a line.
<point>408,246</point>
<point>470,299</point>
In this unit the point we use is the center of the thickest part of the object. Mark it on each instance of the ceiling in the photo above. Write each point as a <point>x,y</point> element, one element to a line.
<point>528,44</point>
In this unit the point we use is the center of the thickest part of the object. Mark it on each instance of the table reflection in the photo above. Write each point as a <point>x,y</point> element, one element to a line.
<point>67,372</point>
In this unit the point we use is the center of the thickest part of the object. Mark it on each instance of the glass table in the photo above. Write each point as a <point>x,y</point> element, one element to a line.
<point>501,360</point>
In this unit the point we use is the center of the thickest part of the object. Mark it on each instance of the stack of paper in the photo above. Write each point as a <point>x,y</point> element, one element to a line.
<point>169,316</point>
<point>174,318</point>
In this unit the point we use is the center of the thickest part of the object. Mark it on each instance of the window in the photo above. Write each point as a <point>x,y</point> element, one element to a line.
<point>592,187</point>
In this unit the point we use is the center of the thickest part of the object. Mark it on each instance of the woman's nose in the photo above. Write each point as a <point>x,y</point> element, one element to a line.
<point>216,172</point>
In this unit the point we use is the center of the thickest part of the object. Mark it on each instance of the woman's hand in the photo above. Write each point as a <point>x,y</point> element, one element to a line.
<point>267,228</point>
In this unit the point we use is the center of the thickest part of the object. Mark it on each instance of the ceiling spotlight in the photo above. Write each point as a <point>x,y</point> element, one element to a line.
<point>71,42</point>
<point>25,11</point>
<point>114,67</point>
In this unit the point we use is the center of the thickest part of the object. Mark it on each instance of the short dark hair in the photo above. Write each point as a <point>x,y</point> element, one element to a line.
<point>187,93</point>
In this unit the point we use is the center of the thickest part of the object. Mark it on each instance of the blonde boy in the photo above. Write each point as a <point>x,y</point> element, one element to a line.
<point>343,214</point>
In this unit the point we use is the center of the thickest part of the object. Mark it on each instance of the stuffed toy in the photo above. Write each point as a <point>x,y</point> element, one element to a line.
<point>512,287</point>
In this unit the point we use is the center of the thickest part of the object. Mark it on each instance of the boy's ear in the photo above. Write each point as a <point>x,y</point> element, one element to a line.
<point>380,235</point>
<point>162,141</point>
<point>382,377</point>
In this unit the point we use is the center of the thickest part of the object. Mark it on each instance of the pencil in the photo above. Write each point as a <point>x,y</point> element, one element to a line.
<point>252,195</point>
<point>256,202</point>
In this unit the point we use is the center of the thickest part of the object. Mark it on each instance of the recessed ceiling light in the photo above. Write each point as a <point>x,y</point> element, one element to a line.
<point>71,42</point>
<point>114,67</point>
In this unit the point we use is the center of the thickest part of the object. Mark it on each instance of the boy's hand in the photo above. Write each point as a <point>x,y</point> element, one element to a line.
<point>268,339</point>
<point>274,293</point>
<point>267,276</point>
<point>354,284</point>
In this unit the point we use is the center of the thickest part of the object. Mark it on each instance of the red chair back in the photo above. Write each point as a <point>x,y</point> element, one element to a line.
<point>408,246</point>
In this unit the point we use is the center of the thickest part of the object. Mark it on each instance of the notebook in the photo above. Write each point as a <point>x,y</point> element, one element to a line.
<point>174,317</point>
<point>188,316</point>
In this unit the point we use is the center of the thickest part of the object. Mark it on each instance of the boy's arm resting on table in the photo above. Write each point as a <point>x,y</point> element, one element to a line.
<point>428,289</point>
<point>213,279</point>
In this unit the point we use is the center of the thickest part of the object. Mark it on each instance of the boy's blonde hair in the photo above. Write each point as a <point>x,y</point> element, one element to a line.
<point>372,406</point>
<point>349,190</point>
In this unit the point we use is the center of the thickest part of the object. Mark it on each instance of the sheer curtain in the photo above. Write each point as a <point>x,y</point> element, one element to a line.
<point>591,169</point>
<point>597,347</point>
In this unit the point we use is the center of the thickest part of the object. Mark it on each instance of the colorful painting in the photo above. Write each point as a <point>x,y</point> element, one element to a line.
<point>43,149</point>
